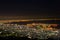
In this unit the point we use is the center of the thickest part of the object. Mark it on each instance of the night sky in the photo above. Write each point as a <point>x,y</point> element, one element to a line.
<point>41,8</point>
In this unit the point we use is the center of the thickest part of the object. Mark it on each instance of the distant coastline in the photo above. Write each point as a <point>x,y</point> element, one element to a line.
<point>33,20</point>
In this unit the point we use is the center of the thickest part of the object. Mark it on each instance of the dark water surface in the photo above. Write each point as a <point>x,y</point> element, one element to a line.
<point>39,21</point>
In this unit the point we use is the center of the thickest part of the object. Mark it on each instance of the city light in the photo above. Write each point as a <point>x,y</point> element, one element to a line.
<point>40,31</point>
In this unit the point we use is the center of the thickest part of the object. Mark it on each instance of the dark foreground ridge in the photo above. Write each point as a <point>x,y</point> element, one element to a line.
<point>22,38</point>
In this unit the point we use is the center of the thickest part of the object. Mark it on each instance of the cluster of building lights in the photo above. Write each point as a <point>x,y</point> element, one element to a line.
<point>31,30</point>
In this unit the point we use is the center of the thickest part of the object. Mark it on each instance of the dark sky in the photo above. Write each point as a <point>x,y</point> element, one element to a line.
<point>45,8</point>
